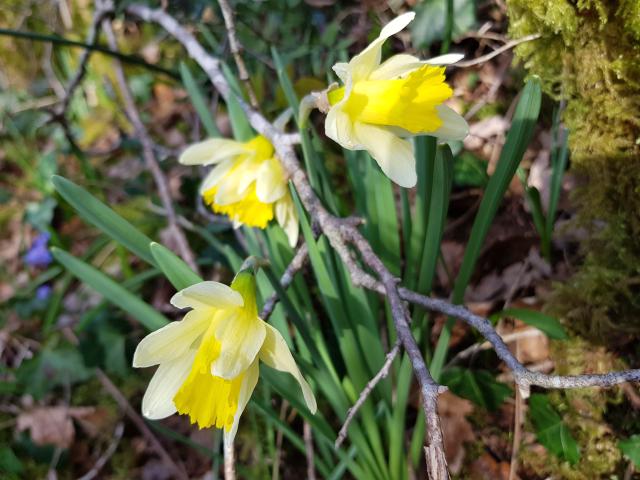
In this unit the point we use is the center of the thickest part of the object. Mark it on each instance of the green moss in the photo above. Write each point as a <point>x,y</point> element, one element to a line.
<point>589,55</point>
<point>583,410</point>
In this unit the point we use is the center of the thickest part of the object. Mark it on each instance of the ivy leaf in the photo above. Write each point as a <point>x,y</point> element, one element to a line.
<point>631,449</point>
<point>479,386</point>
<point>551,431</point>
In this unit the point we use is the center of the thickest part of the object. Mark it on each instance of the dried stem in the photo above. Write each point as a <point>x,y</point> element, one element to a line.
<point>342,233</point>
<point>236,49</point>
<point>108,453</point>
<point>149,156</point>
<point>497,51</point>
<point>296,264</point>
<point>308,443</point>
<point>366,391</point>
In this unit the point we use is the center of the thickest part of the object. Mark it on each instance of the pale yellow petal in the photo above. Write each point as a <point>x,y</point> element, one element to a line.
<point>342,71</point>
<point>454,126</point>
<point>234,187</point>
<point>271,183</point>
<point>287,218</point>
<point>248,385</point>
<point>173,340</point>
<point>276,354</point>
<point>447,59</point>
<point>396,66</point>
<point>211,151</point>
<point>216,174</point>
<point>403,64</point>
<point>339,128</point>
<point>368,60</point>
<point>207,295</point>
<point>241,335</point>
<point>157,402</point>
<point>394,154</point>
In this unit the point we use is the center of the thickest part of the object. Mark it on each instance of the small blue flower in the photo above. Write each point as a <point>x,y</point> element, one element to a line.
<point>39,255</point>
<point>43,292</point>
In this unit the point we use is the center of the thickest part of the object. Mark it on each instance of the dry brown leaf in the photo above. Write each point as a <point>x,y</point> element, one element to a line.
<point>456,429</point>
<point>488,468</point>
<point>51,425</point>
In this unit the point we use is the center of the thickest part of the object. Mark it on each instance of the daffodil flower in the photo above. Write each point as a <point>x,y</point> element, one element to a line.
<point>208,361</point>
<point>247,183</point>
<point>382,104</point>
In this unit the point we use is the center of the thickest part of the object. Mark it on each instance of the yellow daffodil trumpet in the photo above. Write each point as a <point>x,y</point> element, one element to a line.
<point>208,361</point>
<point>247,183</point>
<point>381,105</point>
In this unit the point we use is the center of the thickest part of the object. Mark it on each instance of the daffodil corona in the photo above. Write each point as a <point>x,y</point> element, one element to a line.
<point>381,105</point>
<point>208,361</point>
<point>247,183</point>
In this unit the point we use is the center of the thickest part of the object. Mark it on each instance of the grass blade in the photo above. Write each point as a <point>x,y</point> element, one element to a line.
<point>111,290</point>
<point>198,100</point>
<point>97,213</point>
<point>177,272</point>
<point>518,138</point>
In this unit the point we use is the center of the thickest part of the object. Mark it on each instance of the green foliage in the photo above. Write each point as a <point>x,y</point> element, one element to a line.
<point>583,411</point>
<point>97,213</point>
<point>631,449</point>
<point>430,23</point>
<point>111,290</point>
<point>551,430</point>
<point>50,369</point>
<point>470,171</point>
<point>479,386</point>
<point>9,463</point>
<point>545,323</point>
<point>522,127</point>
<point>177,272</point>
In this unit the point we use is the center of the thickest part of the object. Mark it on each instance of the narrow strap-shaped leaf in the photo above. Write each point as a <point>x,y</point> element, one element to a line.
<point>111,290</point>
<point>242,130</point>
<point>104,218</point>
<point>198,100</point>
<point>522,127</point>
<point>177,271</point>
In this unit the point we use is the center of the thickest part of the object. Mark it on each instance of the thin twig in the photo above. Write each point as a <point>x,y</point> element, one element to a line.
<point>103,9</point>
<point>236,48</point>
<point>297,263</point>
<point>366,391</point>
<point>149,156</point>
<point>132,414</point>
<point>308,443</point>
<point>497,51</point>
<point>108,453</point>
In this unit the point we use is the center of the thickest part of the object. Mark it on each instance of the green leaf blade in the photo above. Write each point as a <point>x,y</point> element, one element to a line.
<point>545,323</point>
<point>104,218</point>
<point>111,290</point>
<point>177,271</point>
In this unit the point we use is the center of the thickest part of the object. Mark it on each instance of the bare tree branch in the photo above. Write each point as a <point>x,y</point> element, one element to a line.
<point>149,156</point>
